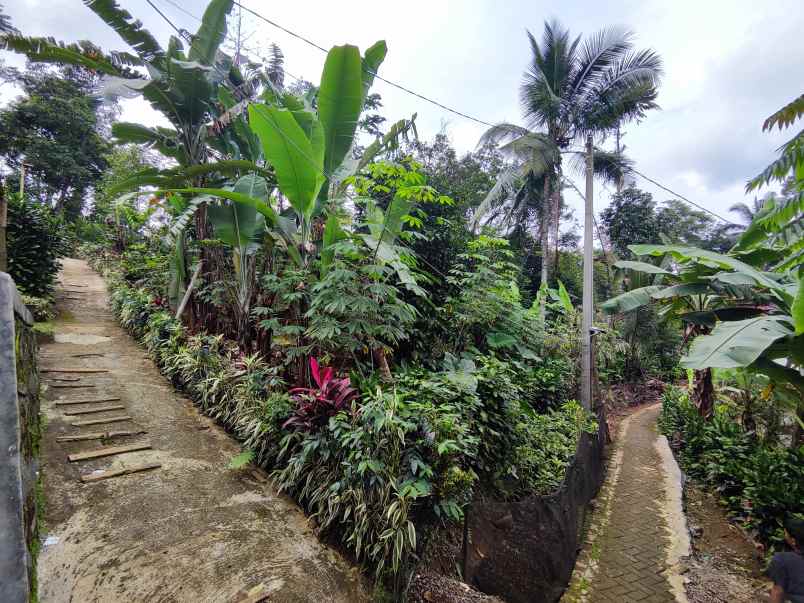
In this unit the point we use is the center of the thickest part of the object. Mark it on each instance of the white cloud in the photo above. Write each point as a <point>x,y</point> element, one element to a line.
<point>728,65</point>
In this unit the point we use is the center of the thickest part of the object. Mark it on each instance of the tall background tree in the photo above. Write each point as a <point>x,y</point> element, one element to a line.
<point>53,130</point>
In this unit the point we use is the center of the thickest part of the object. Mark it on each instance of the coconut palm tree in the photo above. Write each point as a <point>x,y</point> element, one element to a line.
<point>748,212</point>
<point>572,90</point>
<point>5,23</point>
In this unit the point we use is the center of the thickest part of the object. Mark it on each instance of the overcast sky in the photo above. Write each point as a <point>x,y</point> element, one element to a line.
<point>728,65</point>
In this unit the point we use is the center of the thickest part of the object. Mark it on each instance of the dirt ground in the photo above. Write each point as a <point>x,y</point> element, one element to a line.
<point>191,530</point>
<point>724,566</point>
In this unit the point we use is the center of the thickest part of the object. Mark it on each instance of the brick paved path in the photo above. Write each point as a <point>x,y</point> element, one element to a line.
<point>630,550</point>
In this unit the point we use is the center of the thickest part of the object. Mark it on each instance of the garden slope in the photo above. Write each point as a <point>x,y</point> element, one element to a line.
<point>190,531</point>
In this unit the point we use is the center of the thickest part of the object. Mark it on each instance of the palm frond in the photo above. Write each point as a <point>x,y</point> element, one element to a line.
<point>127,27</point>
<point>791,155</point>
<point>48,50</point>
<point>785,116</point>
<point>599,54</point>
<point>501,133</point>
<point>502,189</point>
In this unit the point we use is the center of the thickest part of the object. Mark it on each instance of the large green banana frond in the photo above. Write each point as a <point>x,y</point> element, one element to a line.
<point>128,28</point>
<point>82,54</point>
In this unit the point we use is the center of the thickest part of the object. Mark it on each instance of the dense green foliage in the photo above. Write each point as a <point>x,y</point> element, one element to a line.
<point>53,129</point>
<point>36,240</point>
<point>391,460</point>
<point>759,480</point>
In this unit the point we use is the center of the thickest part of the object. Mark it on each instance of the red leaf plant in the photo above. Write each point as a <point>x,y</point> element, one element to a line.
<point>315,405</point>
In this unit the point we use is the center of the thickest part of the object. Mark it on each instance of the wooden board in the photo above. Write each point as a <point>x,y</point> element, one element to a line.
<point>101,421</point>
<point>110,451</point>
<point>94,477</point>
<point>67,379</point>
<point>92,401</point>
<point>87,355</point>
<point>74,370</point>
<point>92,410</point>
<point>100,435</point>
<point>68,385</point>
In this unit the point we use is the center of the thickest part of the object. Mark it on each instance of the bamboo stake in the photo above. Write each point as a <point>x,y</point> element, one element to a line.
<point>74,370</point>
<point>189,291</point>
<point>92,401</point>
<point>101,435</point>
<point>101,421</point>
<point>111,451</point>
<point>76,385</point>
<point>94,410</point>
<point>118,472</point>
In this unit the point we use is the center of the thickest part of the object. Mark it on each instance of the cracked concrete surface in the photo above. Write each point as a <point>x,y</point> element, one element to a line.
<point>191,531</point>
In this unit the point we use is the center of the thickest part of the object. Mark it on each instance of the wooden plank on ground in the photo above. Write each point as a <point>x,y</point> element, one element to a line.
<point>93,410</point>
<point>101,421</point>
<point>94,477</point>
<point>100,435</point>
<point>67,379</point>
<point>110,451</point>
<point>255,595</point>
<point>71,385</point>
<point>87,355</point>
<point>92,401</point>
<point>73,370</point>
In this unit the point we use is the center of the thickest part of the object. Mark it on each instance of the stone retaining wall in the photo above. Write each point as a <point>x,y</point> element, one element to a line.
<point>19,446</point>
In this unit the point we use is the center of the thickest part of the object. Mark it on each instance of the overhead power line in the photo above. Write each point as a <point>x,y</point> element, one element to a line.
<point>398,86</point>
<point>679,195</point>
<point>376,75</point>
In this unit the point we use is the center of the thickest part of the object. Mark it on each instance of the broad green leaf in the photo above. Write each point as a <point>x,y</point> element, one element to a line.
<point>500,340</point>
<point>735,344</point>
<point>240,225</point>
<point>297,159</point>
<point>332,234</point>
<point>340,101</point>
<point>397,209</point>
<point>682,252</point>
<point>641,267</point>
<point>709,318</point>
<point>564,298</point>
<point>127,27</point>
<point>631,300</point>
<point>48,50</point>
<point>683,290</point>
<point>258,204</point>
<point>734,278</point>
<point>372,60</point>
<point>211,33</point>
<point>797,310</point>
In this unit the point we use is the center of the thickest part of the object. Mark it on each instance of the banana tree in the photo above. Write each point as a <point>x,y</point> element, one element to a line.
<point>735,313</point>
<point>242,228</point>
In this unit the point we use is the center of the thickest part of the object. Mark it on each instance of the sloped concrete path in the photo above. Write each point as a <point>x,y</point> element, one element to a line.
<point>638,535</point>
<point>191,530</point>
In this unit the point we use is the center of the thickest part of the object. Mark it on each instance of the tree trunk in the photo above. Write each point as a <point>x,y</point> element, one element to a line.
<point>382,364</point>
<point>556,219</point>
<point>703,393</point>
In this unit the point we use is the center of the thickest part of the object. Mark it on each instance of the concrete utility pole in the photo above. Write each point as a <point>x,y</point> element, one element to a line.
<point>588,283</point>
<point>3,228</point>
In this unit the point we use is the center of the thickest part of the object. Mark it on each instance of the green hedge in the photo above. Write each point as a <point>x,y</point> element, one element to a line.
<point>401,458</point>
<point>759,484</point>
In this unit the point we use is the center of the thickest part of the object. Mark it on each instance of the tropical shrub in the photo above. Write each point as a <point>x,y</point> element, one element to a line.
<point>36,239</point>
<point>545,445</point>
<point>759,483</point>
<point>315,405</point>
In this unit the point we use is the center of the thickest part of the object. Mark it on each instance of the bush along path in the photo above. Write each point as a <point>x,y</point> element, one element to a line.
<point>638,534</point>
<point>182,526</point>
